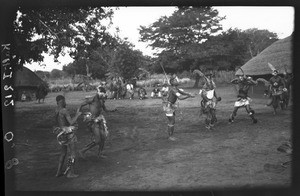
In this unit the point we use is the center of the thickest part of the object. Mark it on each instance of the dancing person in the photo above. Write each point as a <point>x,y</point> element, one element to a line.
<point>208,104</point>
<point>173,94</point>
<point>243,100</point>
<point>96,122</point>
<point>66,136</point>
<point>277,84</point>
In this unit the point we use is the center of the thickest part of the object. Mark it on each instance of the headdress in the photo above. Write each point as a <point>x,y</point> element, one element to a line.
<point>173,79</point>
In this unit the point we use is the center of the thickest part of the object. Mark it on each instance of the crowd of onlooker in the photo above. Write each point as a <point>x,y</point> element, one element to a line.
<point>116,88</point>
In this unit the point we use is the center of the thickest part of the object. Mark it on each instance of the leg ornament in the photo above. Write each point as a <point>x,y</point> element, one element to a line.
<point>251,113</point>
<point>70,164</point>
<point>231,119</point>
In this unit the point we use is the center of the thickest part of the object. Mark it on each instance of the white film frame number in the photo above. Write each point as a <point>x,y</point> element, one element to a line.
<point>6,136</point>
<point>10,163</point>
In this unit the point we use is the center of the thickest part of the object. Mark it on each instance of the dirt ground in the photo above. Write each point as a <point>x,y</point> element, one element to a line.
<point>139,156</point>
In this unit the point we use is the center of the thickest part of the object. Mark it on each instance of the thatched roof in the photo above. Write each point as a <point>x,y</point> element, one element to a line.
<point>26,78</point>
<point>278,54</point>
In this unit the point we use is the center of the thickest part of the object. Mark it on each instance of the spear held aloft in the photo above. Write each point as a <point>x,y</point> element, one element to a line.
<point>165,73</point>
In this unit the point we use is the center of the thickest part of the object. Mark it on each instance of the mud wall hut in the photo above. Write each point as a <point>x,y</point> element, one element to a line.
<point>279,54</point>
<point>26,81</point>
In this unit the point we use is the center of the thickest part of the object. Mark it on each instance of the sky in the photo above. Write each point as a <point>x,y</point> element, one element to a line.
<point>276,19</point>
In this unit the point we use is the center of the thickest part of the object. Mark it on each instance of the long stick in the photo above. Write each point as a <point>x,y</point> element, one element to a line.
<point>242,71</point>
<point>164,72</point>
<point>48,28</point>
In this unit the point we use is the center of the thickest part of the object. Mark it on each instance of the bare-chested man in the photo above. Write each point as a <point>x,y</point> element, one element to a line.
<point>244,84</point>
<point>66,136</point>
<point>169,103</point>
<point>95,121</point>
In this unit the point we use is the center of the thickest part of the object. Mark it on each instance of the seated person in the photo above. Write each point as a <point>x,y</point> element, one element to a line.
<point>156,92</point>
<point>142,93</point>
<point>23,96</point>
<point>130,90</point>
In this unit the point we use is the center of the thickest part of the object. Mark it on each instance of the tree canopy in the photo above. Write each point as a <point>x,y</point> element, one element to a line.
<point>83,33</point>
<point>52,30</point>
<point>105,61</point>
<point>179,35</point>
<point>191,38</point>
<point>187,25</point>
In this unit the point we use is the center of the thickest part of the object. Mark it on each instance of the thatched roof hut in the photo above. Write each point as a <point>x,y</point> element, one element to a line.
<point>26,81</point>
<point>26,78</point>
<point>279,54</point>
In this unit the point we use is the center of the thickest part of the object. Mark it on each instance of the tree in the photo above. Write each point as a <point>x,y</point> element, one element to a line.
<point>76,67</point>
<point>121,60</point>
<point>257,40</point>
<point>231,49</point>
<point>52,30</point>
<point>125,62</point>
<point>178,34</point>
<point>56,73</point>
<point>223,51</point>
<point>187,25</point>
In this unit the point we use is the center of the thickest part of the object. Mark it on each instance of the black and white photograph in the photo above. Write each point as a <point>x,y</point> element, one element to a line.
<point>148,98</point>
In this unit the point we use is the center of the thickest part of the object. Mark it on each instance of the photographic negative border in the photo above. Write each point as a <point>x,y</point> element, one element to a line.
<point>8,65</point>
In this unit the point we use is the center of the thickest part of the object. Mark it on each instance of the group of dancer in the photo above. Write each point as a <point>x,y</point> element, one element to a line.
<point>96,123</point>
<point>277,84</point>
<point>67,126</point>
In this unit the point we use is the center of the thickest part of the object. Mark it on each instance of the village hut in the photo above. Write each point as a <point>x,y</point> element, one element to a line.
<point>26,82</point>
<point>279,54</point>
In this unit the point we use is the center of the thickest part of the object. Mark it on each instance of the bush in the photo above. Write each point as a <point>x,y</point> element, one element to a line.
<point>55,74</point>
<point>224,76</point>
<point>185,74</point>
